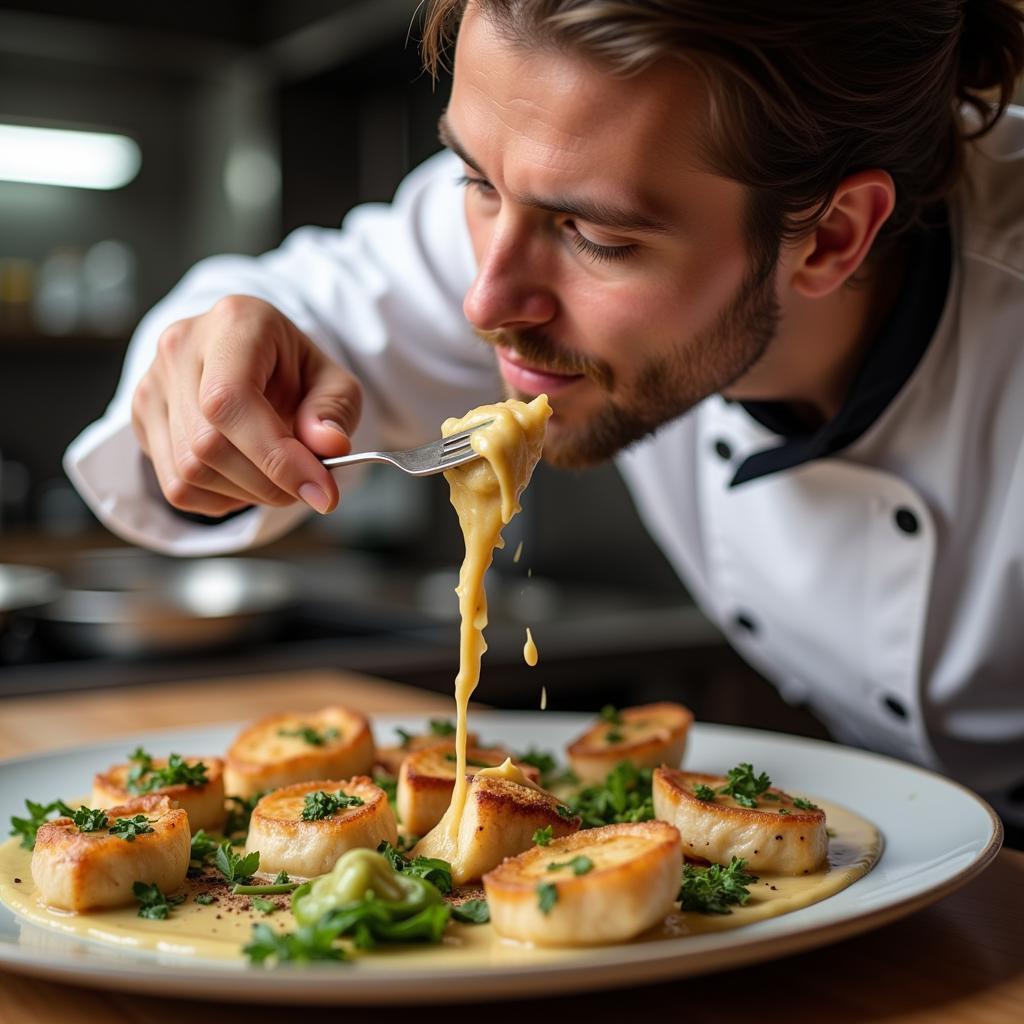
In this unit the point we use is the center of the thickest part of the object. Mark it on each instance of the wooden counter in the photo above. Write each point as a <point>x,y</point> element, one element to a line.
<point>960,961</point>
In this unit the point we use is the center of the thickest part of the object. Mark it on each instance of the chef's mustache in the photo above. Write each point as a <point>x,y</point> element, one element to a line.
<point>544,354</point>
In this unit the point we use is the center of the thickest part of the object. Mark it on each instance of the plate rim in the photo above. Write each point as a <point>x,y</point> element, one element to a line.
<point>595,969</point>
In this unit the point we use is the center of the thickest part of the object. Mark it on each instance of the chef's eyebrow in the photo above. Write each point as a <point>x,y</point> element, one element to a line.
<point>593,211</point>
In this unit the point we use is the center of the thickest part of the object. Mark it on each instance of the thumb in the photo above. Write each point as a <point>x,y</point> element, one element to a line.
<point>327,416</point>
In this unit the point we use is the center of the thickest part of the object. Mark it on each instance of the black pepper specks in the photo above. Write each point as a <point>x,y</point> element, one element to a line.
<point>779,837</point>
<point>17,881</point>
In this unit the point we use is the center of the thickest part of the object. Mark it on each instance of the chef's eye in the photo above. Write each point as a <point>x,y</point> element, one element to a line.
<point>482,185</point>
<point>598,253</point>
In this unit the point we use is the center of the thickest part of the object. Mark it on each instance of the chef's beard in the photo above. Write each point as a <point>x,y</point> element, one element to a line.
<point>664,386</point>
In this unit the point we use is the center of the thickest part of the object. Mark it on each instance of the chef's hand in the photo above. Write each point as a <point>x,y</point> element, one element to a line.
<point>236,407</point>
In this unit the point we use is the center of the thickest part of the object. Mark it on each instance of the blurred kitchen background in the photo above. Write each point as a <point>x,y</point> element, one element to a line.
<point>246,119</point>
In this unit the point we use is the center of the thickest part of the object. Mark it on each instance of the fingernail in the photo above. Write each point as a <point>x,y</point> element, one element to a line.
<point>314,498</point>
<point>335,426</point>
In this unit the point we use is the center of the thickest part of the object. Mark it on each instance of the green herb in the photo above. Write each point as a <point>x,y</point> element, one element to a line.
<point>281,878</point>
<point>550,774</point>
<point>610,714</point>
<point>782,810</point>
<point>38,813</point>
<point>449,756</point>
<point>542,837</point>
<point>303,946</point>
<point>563,812</point>
<point>153,904</point>
<point>205,898</point>
<point>128,828</point>
<point>203,849</point>
<point>373,920</point>
<point>432,869</point>
<point>262,905</point>
<point>702,792</point>
<point>264,890</point>
<point>744,786</point>
<point>714,889</point>
<point>547,896</point>
<point>405,737</point>
<point>311,736</point>
<point>389,785</point>
<point>240,810</point>
<point>804,805</point>
<point>441,727</point>
<point>625,795</point>
<point>322,805</point>
<point>614,736</point>
<point>145,778</point>
<point>472,912</point>
<point>87,820</point>
<point>234,867</point>
<point>580,865</point>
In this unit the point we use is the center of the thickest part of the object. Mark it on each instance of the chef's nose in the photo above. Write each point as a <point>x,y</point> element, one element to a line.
<point>510,289</point>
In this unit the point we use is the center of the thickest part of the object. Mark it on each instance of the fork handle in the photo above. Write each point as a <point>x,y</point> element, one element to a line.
<point>357,457</point>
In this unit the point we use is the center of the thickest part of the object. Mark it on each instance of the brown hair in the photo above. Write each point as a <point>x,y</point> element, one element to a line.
<point>801,94</point>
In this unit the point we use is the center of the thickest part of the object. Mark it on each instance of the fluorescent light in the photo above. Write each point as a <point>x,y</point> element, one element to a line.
<point>58,156</point>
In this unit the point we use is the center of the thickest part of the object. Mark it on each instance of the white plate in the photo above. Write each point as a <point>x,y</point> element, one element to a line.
<point>937,835</point>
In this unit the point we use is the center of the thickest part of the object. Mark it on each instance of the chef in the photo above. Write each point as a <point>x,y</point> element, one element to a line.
<point>779,276</point>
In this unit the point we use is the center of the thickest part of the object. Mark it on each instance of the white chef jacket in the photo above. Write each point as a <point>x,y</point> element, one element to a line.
<point>907,641</point>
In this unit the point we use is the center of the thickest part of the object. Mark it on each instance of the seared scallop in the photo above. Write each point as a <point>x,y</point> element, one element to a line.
<point>427,779</point>
<point>502,812</point>
<point>304,828</point>
<point>776,836</point>
<point>203,803</point>
<point>598,886</point>
<point>646,736</point>
<point>332,743</point>
<point>80,871</point>
<point>389,759</point>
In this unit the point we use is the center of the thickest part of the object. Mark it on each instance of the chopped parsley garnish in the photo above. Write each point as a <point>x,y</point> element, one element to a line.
<point>203,849</point>
<point>625,795</point>
<point>744,786</point>
<point>262,905</point>
<point>153,904</point>
<point>234,867</point>
<point>405,737</point>
<point>714,889</point>
<point>441,727</point>
<point>547,896</point>
<point>240,810</point>
<point>311,736</point>
<point>89,820</point>
<point>390,787</point>
<point>145,778</point>
<point>610,714</point>
<point>543,836</point>
<point>580,865</point>
<point>702,792</point>
<point>281,878</point>
<point>804,805</point>
<point>205,898</point>
<point>550,774</point>
<point>614,736</point>
<point>306,944</point>
<point>782,810</point>
<point>432,869</point>
<point>563,812</point>
<point>128,828</point>
<point>38,813</point>
<point>472,912</point>
<point>322,805</point>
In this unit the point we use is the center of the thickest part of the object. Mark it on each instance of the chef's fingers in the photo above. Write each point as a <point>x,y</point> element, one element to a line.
<point>232,399</point>
<point>329,412</point>
<point>179,492</point>
<point>204,457</point>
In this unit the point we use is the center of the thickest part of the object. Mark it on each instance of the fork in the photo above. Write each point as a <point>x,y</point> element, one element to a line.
<point>428,459</point>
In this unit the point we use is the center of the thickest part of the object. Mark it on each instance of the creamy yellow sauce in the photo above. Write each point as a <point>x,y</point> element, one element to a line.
<point>530,655</point>
<point>485,494</point>
<point>217,932</point>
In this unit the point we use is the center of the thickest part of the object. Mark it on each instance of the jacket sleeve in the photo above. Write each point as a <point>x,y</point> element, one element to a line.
<point>382,296</point>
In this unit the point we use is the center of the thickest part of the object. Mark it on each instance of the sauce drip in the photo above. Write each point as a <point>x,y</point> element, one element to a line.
<point>530,652</point>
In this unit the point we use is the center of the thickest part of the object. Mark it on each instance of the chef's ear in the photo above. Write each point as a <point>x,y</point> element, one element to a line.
<point>830,254</point>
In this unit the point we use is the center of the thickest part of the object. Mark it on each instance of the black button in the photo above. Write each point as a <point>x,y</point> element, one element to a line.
<point>896,707</point>
<point>722,450</point>
<point>744,621</point>
<point>906,520</point>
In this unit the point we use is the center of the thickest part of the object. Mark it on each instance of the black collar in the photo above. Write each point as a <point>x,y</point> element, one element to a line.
<point>892,358</point>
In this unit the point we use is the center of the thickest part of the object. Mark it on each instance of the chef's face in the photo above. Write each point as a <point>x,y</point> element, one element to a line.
<point>613,271</point>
